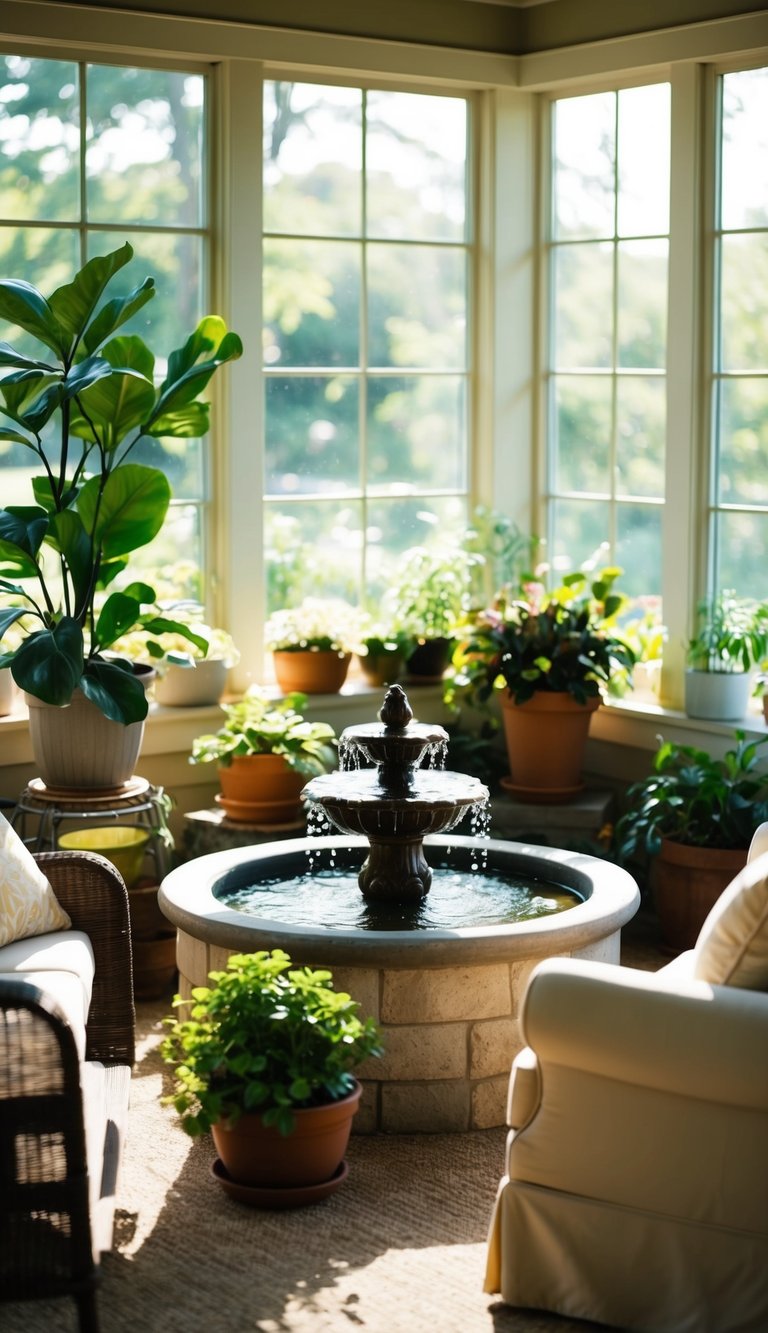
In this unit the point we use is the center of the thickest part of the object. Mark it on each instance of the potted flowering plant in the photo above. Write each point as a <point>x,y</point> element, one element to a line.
<point>731,638</point>
<point>312,644</point>
<point>189,673</point>
<point>266,750</point>
<point>547,653</point>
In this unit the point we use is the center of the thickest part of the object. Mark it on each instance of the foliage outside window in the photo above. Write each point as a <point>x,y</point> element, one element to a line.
<point>92,156</point>
<point>365,290</point>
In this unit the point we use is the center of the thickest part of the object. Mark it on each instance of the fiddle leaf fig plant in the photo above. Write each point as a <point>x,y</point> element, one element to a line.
<point>80,404</point>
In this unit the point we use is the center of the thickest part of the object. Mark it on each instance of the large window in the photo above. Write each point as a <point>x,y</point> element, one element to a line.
<point>366,345</point>
<point>607,350</point>
<point>739,490</point>
<point>92,156</point>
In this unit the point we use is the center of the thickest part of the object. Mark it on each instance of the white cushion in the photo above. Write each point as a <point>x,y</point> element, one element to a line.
<point>70,994</point>
<point>732,948</point>
<point>61,951</point>
<point>28,905</point>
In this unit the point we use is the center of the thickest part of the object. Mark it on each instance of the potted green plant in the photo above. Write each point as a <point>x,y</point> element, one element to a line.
<point>265,1060</point>
<point>80,400</point>
<point>548,654</point>
<point>312,644</point>
<point>429,598</point>
<point>383,653</point>
<point>266,751</point>
<point>694,817</point>
<point>186,675</point>
<point>731,638</point>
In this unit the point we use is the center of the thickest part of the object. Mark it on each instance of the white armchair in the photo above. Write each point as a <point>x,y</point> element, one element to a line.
<point>636,1185</point>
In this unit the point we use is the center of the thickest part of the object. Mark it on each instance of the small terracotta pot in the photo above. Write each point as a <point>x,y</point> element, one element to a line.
<point>427,663</point>
<point>311,672</point>
<point>260,789</point>
<point>254,1154</point>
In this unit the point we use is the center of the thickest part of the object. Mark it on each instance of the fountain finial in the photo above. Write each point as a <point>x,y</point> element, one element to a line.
<point>395,712</point>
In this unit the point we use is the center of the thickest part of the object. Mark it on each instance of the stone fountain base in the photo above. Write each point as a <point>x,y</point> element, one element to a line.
<point>447,1001</point>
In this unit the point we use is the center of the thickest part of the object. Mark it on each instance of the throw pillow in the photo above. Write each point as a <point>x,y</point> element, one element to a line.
<point>732,948</point>
<point>28,905</point>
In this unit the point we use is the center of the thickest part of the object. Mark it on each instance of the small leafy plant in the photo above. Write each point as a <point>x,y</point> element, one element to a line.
<point>257,724</point>
<point>694,799</point>
<point>264,1037</point>
<point>431,591</point>
<point>731,635</point>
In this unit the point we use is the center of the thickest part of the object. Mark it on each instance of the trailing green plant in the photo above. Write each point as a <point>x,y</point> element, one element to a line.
<point>430,593</point>
<point>731,634</point>
<point>258,724</point>
<point>264,1037</point>
<point>694,799</point>
<point>81,402</point>
<point>563,640</point>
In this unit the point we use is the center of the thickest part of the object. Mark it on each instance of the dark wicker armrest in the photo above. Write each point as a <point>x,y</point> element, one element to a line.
<point>93,893</point>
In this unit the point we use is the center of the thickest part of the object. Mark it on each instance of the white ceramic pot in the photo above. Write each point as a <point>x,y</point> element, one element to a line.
<point>190,687</point>
<point>7,692</point>
<point>77,748</point>
<point>721,696</point>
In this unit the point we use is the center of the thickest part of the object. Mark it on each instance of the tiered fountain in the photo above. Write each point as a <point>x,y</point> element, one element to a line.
<point>439,954</point>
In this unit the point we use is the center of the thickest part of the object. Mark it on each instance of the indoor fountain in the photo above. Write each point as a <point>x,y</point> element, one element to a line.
<point>438,953</point>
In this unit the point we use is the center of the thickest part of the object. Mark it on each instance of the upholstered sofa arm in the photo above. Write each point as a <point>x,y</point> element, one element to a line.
<point>93,893</point>
<point>670,1034</point>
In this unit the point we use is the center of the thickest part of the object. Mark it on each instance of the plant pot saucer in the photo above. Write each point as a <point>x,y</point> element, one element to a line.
<point>272,814</point>
<point>273,1196</point>
<point>541,795</point>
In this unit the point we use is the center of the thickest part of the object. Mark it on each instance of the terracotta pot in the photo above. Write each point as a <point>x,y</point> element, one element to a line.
<point>253,1154</point>
<point>546,738</point>
<point>77,748</point>
<point>311,672</point>
<point>260,789</point>
<point>686,883</point>
<point>382,668</point>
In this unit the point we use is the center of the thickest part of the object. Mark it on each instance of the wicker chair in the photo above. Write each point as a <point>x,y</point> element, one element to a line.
<point>56,1216</point>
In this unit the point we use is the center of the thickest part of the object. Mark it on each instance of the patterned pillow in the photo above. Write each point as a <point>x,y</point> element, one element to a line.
<point>732,948</point>
<point>28,905</point>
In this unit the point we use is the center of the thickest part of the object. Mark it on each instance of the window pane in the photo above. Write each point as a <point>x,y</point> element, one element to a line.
<point>395,524</point>
<point>744,302</point>
<point>143,160</point>
<point>743,553</point>
<point>312,434</point>
<point>743,460</point>
<point>416,166</point>
<point>745,149</point>
<point>417,433</point>
<point>642,304</point>
<point>638,548</point>
<point>641,425</point>
<point>643,201</point>
<point>581,528</point>
<point>582,440</point>
<point>174,576</point>
<point>416,306</point>
<point>39,140</point>
<point>582,309</point>
<point>312,550</point>
<point>584,167</point>
<point>312,159</point>
<point>176,264</point>
<point>311,303</point>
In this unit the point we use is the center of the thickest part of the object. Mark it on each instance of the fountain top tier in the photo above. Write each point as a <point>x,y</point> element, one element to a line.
<point>396,744</point>
<point>396,805</point>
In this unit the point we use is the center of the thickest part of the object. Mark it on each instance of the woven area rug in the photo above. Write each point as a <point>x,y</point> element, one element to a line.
<point>400,1248</point>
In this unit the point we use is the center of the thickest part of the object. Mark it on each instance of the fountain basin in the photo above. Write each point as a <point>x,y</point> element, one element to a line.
<point>447,1000</point>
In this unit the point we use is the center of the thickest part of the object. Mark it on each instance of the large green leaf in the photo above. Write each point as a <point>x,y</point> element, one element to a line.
<point>118,615</point>
<point>68,536</point>
<point>85,373</point>
<point>115,690</point>
<point>43,493</point>
<point>31,398</point>
<point>187,379</point>
<point>188,423</point>
<point>15,562</point>
<point>74,304</point>
<point>166,625</point>
<point>10,357</point>
<point>24,526</point>
<point>49,663</point>
<point>16,437</point>
<point>132,509</point>
<point>23,304</point>
<point>114,406</point>
<point>9,616</point>
<point>116,312</point>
